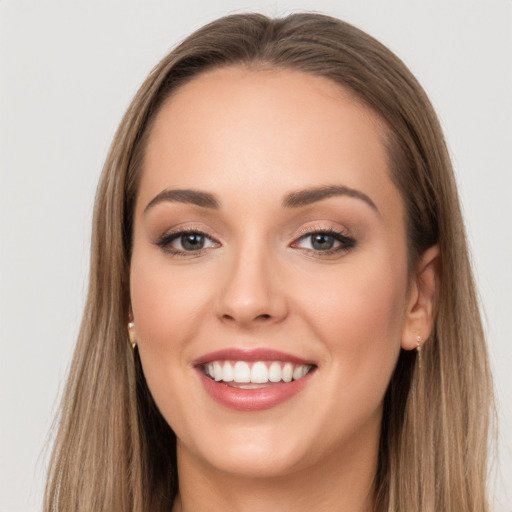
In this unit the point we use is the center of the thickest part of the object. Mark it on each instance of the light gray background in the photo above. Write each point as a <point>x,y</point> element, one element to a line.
<point>68,71</point>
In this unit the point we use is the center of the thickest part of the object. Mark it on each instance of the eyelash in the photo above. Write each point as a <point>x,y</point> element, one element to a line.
<point>166,240</point>
<point>346,242</point>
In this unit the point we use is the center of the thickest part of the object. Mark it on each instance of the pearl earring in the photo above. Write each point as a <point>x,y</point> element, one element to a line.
<point>131,334</point>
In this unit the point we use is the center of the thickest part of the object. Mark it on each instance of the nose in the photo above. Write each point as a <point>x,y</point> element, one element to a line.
<point>252,294</point>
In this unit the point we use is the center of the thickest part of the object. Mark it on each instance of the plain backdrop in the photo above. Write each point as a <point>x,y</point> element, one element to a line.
<point>68,71</point>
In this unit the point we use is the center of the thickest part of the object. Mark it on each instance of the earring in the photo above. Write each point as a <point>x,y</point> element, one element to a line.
<point>131,334</point>
<point>418,350</point>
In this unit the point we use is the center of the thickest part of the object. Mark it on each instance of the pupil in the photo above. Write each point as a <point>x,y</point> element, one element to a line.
<point>323,242</point>
<point>192,242</point>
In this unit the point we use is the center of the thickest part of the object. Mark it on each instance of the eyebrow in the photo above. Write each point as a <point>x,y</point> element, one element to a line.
<point>203,199</point>
<point>292,200</point>
<point>312,195</point>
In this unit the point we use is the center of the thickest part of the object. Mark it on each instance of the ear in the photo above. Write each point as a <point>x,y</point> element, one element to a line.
<point>421,302</point>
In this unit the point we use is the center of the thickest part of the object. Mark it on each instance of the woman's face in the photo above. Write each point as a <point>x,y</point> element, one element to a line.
<point>269,248</point>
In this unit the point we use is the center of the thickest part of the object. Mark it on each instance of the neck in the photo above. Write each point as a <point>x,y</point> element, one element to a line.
<point>342,481</point>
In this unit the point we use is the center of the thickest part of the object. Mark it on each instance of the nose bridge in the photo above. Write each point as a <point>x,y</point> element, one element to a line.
<point>251,292</point>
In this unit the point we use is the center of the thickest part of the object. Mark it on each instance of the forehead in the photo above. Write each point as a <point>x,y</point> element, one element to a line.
<point>253,128</point>
<point>236,90</point>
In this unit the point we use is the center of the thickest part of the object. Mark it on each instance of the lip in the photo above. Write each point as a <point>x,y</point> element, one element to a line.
<point>249,355</point>
<point>251,399</point>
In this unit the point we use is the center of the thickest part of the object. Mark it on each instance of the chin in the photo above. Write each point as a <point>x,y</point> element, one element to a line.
<point>254,460</point>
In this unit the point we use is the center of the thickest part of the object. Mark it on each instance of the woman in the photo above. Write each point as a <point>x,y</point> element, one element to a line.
<point>277,231</point>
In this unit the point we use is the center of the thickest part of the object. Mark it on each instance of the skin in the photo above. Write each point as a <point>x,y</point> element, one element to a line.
<point>251,137</point>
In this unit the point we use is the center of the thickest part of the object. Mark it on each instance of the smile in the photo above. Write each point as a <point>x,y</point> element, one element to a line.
<point>252,375</point>
<point>253,380</point>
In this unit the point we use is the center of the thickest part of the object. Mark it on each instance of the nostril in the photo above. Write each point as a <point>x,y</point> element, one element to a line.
<point>258,318</point>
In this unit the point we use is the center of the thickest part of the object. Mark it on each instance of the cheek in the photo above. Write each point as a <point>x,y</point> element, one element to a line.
<point>165,310</point>
<point>165,304</point>
<point>360,317</point>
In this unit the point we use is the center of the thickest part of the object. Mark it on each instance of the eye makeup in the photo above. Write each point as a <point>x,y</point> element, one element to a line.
<point>315,240</point>
<point>323,241</point>
<point>186,242</point>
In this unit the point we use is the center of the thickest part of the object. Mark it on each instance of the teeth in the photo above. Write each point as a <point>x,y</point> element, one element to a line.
<point>300,371</point>
<point>288,372</point>
<point>228,374</point>
<point>242,372</point>
<point>297,373</point>
<point>259,372</point>
<point>217,371</point>
<point>274,372</point>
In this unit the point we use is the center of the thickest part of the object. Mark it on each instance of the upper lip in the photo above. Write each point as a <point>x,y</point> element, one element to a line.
<point>249,355</point>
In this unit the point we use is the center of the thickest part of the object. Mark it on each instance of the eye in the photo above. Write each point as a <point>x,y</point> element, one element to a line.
<point>183,242</point>
<point>324,242</point>
<point>191,241</point>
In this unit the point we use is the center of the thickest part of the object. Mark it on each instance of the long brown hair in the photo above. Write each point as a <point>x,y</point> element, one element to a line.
<point>114,451</point>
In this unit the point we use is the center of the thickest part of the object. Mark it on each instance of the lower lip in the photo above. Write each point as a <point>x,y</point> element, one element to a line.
<point>252,399</point>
